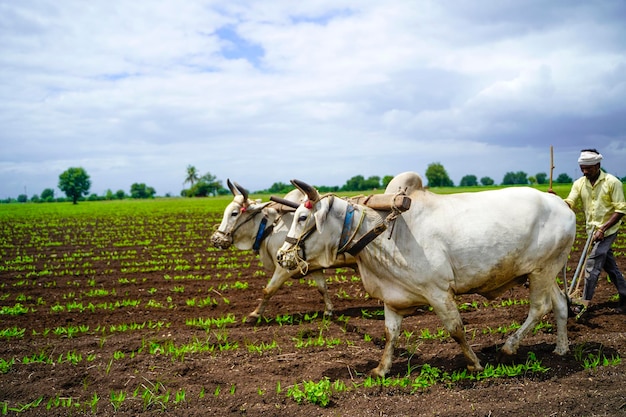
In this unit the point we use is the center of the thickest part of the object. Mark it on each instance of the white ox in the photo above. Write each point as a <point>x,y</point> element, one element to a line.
<point>241,226</point>
<point>444,245</point>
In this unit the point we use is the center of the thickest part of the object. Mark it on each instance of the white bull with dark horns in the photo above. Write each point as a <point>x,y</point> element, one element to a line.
<point>248,224</point>
<point>444,245</point>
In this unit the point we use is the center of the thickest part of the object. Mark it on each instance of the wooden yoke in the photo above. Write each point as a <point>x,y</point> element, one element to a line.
<point>285,205</point>
<point>383,202</point>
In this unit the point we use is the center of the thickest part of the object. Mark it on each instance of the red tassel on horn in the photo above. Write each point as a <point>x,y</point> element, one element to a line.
<point>308,204</point>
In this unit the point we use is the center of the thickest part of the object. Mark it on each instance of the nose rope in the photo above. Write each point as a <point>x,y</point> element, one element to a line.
<point>294,250</point>
<point>300,263</point>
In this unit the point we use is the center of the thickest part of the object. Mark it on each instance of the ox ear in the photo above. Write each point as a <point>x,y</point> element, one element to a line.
<point>307,189</point>
<point>321,214</point>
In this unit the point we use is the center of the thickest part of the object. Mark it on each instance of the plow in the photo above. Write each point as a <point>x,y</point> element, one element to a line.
<point>573,292</point>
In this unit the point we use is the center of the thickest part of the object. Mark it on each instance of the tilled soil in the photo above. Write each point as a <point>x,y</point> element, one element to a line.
<point>248,369</point>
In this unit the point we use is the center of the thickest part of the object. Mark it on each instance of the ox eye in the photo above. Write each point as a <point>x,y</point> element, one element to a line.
<point>302,218</point>
<point>235,214</point>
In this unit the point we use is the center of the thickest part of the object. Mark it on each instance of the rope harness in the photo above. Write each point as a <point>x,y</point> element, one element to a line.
<point>348,234</point>
<point>263,231</point>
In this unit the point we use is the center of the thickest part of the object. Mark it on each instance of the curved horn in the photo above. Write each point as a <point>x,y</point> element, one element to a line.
<point>310,191</point>
<point>231,186</point>
<point>242,190</point>
<point>284,202</point>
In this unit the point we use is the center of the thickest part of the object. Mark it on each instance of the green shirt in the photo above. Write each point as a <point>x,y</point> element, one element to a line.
<point>599,201</point>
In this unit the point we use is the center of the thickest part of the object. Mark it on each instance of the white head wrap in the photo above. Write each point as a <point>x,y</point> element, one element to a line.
<point>589,158</point>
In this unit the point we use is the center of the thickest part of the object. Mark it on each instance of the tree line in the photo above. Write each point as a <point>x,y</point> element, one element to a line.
<point>75,183</point>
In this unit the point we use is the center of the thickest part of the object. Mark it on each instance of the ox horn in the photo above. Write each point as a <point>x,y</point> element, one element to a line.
<point>242,190</point>
<point>310,191</point>
<point>231,187</point>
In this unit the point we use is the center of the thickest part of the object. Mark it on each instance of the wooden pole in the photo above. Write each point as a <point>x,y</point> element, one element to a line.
<point>551,165</point>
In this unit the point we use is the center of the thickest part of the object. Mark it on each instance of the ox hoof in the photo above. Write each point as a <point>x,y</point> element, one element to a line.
<point>252,319</point>
<point>508,350</point>
<point>377,372</point>
<point>475,368</point>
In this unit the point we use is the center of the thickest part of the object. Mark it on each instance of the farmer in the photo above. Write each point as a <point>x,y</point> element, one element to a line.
<point>602,198</point>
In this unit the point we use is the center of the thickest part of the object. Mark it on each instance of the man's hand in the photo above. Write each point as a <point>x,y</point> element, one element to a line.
<point>598,235</point>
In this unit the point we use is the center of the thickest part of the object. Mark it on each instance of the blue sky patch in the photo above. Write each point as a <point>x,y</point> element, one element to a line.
<point>236,47</point>
<point>322,19</point>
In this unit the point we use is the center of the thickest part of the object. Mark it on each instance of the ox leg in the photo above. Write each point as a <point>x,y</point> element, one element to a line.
<point>559,308</point>
<point>393,322</point>
<point>278,279</point>
<point>446,310</point>
<point>322,287</point>
<point>541,298</point>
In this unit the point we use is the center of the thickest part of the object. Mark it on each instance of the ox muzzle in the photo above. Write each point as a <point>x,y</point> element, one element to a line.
<point>293,259</point>
<point>221,240</point>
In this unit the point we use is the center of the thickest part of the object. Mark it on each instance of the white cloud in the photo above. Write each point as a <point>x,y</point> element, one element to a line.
<point>322,91</point>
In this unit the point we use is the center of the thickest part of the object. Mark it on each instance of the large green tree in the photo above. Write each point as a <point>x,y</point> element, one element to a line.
<point>74,183</point>
<point>437,176</point>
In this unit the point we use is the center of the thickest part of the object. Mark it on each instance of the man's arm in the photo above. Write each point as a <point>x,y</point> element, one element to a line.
<point>599,234</point>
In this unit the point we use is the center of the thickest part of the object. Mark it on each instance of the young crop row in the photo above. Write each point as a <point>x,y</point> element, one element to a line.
<point>106,287</point>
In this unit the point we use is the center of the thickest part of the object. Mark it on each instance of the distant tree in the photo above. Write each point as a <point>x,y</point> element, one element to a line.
<point>22,198</point>
<point>192,176</point>
<point>206,185</point>
<point>359,183</point>
<point>120,194</point>
<point>47,195</point>
<point>108,195</point>
<point>541,178</point>
<point>468,181</point>
<point>74,183</point>
<point>386,180</point>
<point>201,189</point>
<point>327,189</point>
<point>532,180</point>
<point>518,177</point>
<point>623,179</point>
<point>35,198</point>
<point>564,179</point>
<point>280,188</point>
<point>141,191</point>
<point>486,181</point>
<point>438,176</point>
<point>94,197</point>
<point>354,184</point>
<point>372,183</point>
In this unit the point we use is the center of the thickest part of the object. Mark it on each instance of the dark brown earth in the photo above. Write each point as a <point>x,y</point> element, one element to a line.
<point>243,382</point>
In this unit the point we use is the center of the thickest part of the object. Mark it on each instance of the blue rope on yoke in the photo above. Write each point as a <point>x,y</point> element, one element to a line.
<point>345,232</point>
<point>260,235</point>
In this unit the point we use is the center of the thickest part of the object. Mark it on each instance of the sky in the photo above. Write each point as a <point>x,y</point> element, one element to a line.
<point>261,92</point>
